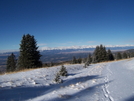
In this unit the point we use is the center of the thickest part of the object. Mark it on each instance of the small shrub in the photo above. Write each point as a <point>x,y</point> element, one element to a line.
<point>58,79</point>
<point>63,71</point>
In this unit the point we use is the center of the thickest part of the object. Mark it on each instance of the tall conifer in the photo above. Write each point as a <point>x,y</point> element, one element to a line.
<point>74,61</point>
<point>96,55</point>
<point>110,55</point>
<point>118,56</point>
<point>29,54</point>
<point>124,55</point>
<point>11,63</point>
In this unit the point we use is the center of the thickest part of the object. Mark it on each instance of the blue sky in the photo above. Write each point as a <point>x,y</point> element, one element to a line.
<point>57,23</point>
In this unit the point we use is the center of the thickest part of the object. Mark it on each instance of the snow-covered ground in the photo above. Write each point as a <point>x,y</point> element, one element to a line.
<point>113,81</point>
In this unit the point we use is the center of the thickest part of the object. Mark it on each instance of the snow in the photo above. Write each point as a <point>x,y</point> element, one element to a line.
<point>83,47</point>
<point>109,81</point>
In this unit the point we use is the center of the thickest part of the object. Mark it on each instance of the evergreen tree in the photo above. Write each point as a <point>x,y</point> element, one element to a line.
<point>100,54</point>
<point>57,78</point>
<point>29,54</point>
<point>74,61</point>
<point>11,63</point>
<point>89,59</point>
<point>110,56</point>
<point>118,56</point>
<point>63,71</point>
<point>96,55</point>
<point>124,55</point>
<point>79,60</point>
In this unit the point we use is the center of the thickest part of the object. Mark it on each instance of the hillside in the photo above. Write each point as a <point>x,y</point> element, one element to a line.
<point>111,81</point>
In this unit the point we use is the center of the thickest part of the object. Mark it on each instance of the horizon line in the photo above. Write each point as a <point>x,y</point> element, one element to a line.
<point>67,47</point>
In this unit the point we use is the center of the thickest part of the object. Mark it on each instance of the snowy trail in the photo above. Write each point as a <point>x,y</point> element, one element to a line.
<point>111,81</point>
<point>121,88</point>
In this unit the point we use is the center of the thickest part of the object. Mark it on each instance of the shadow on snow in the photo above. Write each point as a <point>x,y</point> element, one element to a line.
<point>82,93</point>
<point>130,99</point>
<point>25,93</point>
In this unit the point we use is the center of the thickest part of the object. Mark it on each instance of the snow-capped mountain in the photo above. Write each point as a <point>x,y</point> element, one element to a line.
<point>84,47</point>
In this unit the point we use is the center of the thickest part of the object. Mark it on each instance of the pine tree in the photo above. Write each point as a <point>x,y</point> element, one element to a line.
<point>63,71</point>
<point>100,54</point>
<point>74,61</point>
<point>96,55</point>
<point>124,55</point>
<point>118,56</point>
<point>110,56</point>
<point>29,54</point>
<point>89,59</point>
<point>79,60</point>
<point>57,78</point>
<point>11,63</point>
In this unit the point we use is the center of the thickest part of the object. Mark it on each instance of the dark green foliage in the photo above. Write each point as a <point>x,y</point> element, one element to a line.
<point>96,55</point>
<point>130,53</point>
<point>74,61</point>
<point>89,59</point>
<point>110,55</point>
<point>124,55</point>
<point>79,60</point>
<point>63,71</point>
<point>58,79</point>
<point>29,54</point>
<point>100,54</point>
<point>11,63</point>
<point>118,57</point>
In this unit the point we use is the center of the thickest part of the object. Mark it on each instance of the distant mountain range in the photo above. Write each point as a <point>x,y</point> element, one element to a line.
<point>75,49</point>
<point>64,53</point>
<point>88,47</point>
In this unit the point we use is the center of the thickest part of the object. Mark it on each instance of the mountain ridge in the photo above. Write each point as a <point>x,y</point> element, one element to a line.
<point>85,47</point>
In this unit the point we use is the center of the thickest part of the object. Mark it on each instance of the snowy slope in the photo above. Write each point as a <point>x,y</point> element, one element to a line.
<point>111,81</point>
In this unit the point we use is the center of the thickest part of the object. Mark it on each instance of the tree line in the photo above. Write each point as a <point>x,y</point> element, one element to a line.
<point>100,54</point>
<point>30,56</point>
